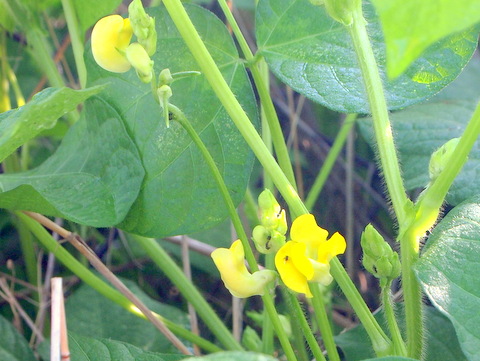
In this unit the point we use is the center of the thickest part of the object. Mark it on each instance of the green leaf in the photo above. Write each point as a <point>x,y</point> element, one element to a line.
<point>441,342</point>
<point>89,11</point>
<point>89,349</point>
<point>233,356</point>
<point>90,314</point>
<point>20,125</point>
<point>314,55</point>
<point>179,194</point>
<point>421,129</point>
<point>93,178</point>
<point>407,36</point>
<point>13,346</point>
<point>448,271</point>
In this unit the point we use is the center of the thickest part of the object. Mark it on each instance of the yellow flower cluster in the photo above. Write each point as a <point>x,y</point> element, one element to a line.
<point>303,259</point>
<point>111,47</point>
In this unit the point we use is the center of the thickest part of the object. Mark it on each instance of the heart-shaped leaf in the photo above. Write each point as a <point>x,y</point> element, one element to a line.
<point>179,194</point>
<point>93,178</point>
<point>448,271</point>
<point>314,55</point>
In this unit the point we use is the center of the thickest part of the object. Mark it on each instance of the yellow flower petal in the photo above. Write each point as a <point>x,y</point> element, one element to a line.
<point>110,37</point>
<point>305,229</point>
<point>290,275</point>
<point>334,246</point>
<point>231,264</point>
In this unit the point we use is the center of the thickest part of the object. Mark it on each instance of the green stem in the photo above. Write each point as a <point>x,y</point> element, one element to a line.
<point>266,100</point>
<point>267,327</point>
<point>433,197</point>
<point>383,132</point>
<point>240,118</point>
<point>427,211</point>
<point>161,258</point>
<point>398,344</point>
<point>330,160</point>
<point>380,342</point>
<point>299,315</point>
<point>28,253</point>
<point>237,223</point>
<point>323,322</point>
<point>76,39</point>
<point>412,293</point>
<point>231,104</point>
<point>278,327</point>
<point>100,286</point>
<point>267,298</point>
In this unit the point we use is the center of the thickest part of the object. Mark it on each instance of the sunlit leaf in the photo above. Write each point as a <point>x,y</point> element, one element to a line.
<point>20,125</point>
<point>407,36</point>
<point>93,178</point>
<point>314,55</point>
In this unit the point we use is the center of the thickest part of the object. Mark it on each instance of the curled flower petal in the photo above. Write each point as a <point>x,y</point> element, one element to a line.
<point>241,283</point>
<point>334,246</point>
<point>287,268</point>
<point>111,36</point>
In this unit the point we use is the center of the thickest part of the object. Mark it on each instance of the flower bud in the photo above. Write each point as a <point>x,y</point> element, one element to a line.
<point>138,57</point>
<point>378,257</point>
<point>251,340</point>
<point>271,214</point>
<point>341,10</point>
<point>110,38</point>
<point>267,240</point>
<point>143,26</point>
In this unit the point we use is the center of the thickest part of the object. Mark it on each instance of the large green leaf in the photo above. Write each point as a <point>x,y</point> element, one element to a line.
<point>314,55</point>
<point>448,271</point>
<point>93,178</point>
<point>421,129</point>
<point>441,342</point>
<point>90,314</point>
<point>89,349</point>
<point>233,356</point>
<point>407,36</point>
<point>179,194</point>
<point>89,11</point>
<point>20,125</point>
<point>13,346</point>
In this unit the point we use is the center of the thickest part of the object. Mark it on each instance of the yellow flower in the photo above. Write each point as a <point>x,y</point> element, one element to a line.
<point>111,36</point>
<point>241,283</point>
<point>305,258</point>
